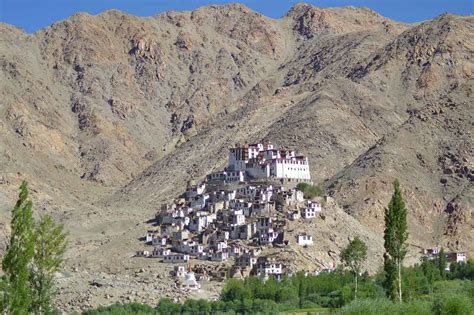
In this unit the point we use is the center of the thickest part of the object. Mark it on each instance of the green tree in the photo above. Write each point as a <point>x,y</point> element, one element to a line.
<point>50,246</point>
<point>442,263</point>
<point>353,256</point>
<point>19,255</point>
<point>395,236</point>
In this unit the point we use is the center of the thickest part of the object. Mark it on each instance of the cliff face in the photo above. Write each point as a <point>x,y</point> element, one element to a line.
<point>109,115</point>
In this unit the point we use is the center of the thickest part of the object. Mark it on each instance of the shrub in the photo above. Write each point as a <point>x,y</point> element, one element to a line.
<point>385,307</point>
<point>123,309</point>
<point>310,191</point>
<point>452,305</point>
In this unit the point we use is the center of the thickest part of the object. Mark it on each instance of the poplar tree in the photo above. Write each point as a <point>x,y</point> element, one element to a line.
<point>395,236</point>
<point>48,258</point>
<point>19,255</point>
<point>353,256</point>
<point>442,263</point>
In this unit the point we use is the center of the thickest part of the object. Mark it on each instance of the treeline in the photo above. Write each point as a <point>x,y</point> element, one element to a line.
<point>424,292</point>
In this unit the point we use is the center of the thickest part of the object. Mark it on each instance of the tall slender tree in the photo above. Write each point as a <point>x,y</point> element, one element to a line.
<point>395,237</point>
<point>50,247</point>
<point>19,255</point>
<point>442,263</point>
<point>353,256</point>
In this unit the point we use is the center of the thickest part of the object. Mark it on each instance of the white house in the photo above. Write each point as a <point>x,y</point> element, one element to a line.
<point>176,258</point>
<point>194,190</point>
<point>142,253</point>
<point>264,223</point>
<point>294,215</point>
<point>196,249</point>
<point>179,271</point>
<point>456,257</point>
<point>245,260</point>
<point>238,218</point>
<point>159,241</point>
<point>199,201</point>
<point>150,234</point>
<point>234,176</point>
<point>160,252</point>
<point>268,237</point>
<point>308,213</point>
<point>316,206</point>
<point>268,267</point>
<point>304,239</point>
<point>220,255</point>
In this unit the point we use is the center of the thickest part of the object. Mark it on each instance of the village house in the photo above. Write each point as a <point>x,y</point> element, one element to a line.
<point>196,249</point>
<point>142,253</point>
<point>308,213</point>
<point>304,239</point>
<point>179,271</point>
<point>294,215</point>
<point>234,250</point>
<point>266,266</point>
<point>176,258</point>
<point>194,190</point>
<point>199,201</point>
<point>456,257</point>
<point>237,218</point>
<point>264,223</point>
<point>150,234</point>
<point>241,204</point>
<point>269,236</point>
<point>261,208</point>
<point>159,241</point>
<point>167,229</point>
<point>257,193</point>
<point>288,197</point>
<point>245,260</point>
<point>220,255</point>
<point>316,206</point>
<point>234,176</point>
<point>160,252</point>
<point>246,231</point>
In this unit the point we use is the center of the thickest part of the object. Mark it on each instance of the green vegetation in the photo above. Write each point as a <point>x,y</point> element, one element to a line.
<point>395,236</point>
<point>310,191</point>
<point>34,253</point>
<point>353,256</point>
<point>18,256</point>
<point>325,293</point>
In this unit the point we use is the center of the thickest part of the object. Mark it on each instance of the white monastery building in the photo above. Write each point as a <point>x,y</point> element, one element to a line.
<point>263,161</point>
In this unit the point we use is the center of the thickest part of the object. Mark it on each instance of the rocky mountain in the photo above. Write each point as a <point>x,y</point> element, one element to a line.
<point>107,116</point>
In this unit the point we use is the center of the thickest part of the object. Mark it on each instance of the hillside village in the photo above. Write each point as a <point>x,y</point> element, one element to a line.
<point>234,214</point>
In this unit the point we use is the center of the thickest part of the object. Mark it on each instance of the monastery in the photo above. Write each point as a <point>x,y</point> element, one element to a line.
<point>264,161</point>
<point>233,214</point>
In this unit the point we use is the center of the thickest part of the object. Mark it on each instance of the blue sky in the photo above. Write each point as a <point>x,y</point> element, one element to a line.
<point>32,15</point>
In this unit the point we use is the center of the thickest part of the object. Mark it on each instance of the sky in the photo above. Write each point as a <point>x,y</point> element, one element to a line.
<point>32,15</point>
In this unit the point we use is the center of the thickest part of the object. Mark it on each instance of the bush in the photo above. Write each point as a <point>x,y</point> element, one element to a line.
<point>123,309</point>
<point>386,307</point>
<point>310,191</point>
<point>452,305</point>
